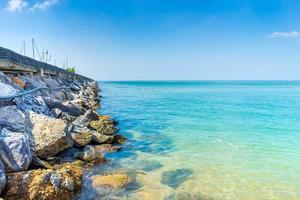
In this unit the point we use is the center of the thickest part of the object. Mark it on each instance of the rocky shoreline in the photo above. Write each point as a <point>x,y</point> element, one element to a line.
<point>48,137</point>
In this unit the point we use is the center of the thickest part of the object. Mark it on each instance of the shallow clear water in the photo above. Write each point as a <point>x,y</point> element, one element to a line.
<point>207,140</point>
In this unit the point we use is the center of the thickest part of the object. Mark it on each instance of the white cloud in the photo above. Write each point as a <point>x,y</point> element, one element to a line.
<point>16,5</point>
<point>292,34</point>
<point>44,5</point>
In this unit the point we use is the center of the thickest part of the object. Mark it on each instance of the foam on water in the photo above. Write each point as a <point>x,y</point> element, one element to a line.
<point>234,140</point>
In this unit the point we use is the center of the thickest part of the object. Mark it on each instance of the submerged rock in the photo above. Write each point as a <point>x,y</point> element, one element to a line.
<point>46,184</point>
<point>50,136</point>
<point>2,176</point>
<point>14,151</point>
<point>104,125</point>
<point>116,181</point>
<point>187,196</point>
<point>176,177</point>
<point>180,196</point>
<point>12,119</point>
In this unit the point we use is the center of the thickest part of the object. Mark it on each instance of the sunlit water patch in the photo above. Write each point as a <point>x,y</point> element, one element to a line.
<point>204,140</point>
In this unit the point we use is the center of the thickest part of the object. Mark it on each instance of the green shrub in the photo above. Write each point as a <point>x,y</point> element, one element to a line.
<point>71,69</point>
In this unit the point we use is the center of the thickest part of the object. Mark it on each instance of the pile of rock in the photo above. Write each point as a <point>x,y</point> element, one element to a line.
<point>36,129</point>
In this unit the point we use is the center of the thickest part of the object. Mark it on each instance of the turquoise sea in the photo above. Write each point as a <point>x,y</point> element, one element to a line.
<point>217,140</point>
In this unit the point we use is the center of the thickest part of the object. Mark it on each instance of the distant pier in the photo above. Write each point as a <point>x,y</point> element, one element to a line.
<point>14,63</point>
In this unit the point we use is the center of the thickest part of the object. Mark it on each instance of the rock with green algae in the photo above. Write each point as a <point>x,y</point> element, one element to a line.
<point>82,136</point>
<point>102,139</point>
<point>116,181</point>
<point>119,139</point>
<point>92,128</point>
<point>62,183</point>
<point>104,125</point>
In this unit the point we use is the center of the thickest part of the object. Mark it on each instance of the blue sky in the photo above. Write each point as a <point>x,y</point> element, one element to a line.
<point>161,39</point>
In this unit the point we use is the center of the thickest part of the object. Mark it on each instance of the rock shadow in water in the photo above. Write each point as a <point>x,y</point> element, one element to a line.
<point>187,196</point>
<point>149,165</point>
<point>176,177</point>
<point>153,144</point>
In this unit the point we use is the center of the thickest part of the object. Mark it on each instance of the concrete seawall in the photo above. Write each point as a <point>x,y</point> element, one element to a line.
<point>12,62</point>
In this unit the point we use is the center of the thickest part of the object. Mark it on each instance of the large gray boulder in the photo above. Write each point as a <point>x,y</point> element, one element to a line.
<point>2,176</point>
<point>49,136</point>
<point>14,150</point>
<point>65,106</point>
<point>29,103</point>
<point>33,82</point>
<point>50,82</point>
<point>59,94</point>
<point>12,119</point>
